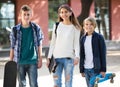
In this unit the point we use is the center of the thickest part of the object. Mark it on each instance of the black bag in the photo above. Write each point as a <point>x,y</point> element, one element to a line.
<point>52,65</point>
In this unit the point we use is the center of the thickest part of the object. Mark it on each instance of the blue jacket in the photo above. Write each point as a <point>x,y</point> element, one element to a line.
<point>99,53</point>
<point>16,41</point>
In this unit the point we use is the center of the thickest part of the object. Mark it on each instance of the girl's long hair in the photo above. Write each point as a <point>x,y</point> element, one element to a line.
<point>73,19</point>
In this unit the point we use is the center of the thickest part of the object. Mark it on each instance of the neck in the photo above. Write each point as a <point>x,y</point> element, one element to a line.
<point>67,22</point>
<point>25,24</point>
<point>89,33</point>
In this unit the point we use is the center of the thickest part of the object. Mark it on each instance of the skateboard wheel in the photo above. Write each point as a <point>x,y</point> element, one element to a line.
<point>111,81</point>
<point>97,79</point>
<point>96,82</point>
<point>111,78</point>
<point>96,85</point>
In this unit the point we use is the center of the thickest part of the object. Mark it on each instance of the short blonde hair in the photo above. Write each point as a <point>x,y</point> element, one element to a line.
<point>92,20</point>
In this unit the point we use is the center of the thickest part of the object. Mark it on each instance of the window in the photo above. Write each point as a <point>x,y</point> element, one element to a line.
<point>7,20</point>
<point>102,17</point>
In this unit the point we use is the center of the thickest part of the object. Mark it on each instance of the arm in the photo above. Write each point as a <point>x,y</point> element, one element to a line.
<point>102,53</point>
<point>40,37</point>
<point>11,54</point>
<point>39,56</point>
<point>52,45</point>
<point>12,43</point>
<point>82,55</point>
<point>76,46</point>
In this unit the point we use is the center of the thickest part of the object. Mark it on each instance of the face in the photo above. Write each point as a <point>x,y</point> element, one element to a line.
<point>26,16</point>
<point>65,14</point>
<point>89,27</point>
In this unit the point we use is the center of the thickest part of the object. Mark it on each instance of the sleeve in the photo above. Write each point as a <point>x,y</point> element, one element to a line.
<point>12,38</point>
<point>82,56</point>
<point>102,53</point>
<point>52,43</point>
<point>40,35</point>
<point>76,43</point>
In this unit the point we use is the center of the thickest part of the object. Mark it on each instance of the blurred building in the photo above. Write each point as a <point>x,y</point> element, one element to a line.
<point>9,16</point>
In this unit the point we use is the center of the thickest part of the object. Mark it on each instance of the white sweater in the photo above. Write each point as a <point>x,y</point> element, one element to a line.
<point>66,43</point>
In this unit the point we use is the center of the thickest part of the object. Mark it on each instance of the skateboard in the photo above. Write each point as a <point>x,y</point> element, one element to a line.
<point>10,74</point>
<point>99,79</point>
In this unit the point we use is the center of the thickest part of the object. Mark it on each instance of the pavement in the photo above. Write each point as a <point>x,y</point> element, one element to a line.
<point>45,78</point>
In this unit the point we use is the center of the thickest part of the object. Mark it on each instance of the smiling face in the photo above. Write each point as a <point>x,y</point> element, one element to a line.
<point>26,16</point>
<point>89,25</point>
<point>64,14</point>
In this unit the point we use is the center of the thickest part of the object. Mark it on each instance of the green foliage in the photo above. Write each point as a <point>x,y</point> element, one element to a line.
<point>53,10</point>
<point>53,13</point>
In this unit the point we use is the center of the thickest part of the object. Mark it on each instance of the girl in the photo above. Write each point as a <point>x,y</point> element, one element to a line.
<point>65,46</point>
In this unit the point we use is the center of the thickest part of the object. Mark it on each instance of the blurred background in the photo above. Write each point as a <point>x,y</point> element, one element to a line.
<point>106,13</point>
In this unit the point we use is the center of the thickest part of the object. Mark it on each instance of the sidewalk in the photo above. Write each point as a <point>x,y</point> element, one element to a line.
<point>78,81</point>
<point>45,79</point>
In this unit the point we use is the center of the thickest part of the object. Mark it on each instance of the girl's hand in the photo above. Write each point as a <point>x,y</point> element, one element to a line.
<point>76,61</point>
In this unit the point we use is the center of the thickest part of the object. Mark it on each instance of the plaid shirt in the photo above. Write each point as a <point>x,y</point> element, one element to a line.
<point>16,41</point>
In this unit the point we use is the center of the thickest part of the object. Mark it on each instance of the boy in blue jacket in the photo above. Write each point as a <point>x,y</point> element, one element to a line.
<point>92,52</point>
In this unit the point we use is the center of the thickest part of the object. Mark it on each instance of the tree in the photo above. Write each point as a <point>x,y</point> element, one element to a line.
<point>102,6</point>
<point>86,4</point>
<point>53,9</point>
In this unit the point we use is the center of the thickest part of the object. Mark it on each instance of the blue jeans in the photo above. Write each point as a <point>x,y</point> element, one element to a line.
<point>68,66</point>
<point>31,70</point>
<point>89,73</point>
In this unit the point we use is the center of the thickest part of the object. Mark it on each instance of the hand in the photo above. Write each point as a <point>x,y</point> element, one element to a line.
<point>103,74</point>
<point>40,63</point>
<point>76,61</point>
<point>83,74</point>
<point>11,59</point>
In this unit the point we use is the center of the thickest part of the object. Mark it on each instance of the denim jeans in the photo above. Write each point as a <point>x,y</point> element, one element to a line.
<point>31,70</point>
<point>89,73</point>
<point>67,65</point>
